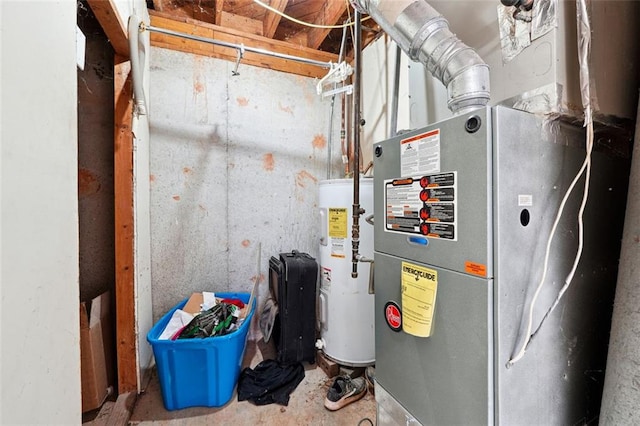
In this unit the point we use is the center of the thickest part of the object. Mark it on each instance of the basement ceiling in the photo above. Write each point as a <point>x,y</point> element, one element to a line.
<point>249,23</point>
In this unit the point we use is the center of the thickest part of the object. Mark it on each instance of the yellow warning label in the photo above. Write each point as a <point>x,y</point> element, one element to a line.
<point>338,223</point>
<point>419,288</point>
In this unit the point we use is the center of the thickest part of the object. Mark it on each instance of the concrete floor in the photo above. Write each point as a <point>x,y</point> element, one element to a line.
<point>305,405</point>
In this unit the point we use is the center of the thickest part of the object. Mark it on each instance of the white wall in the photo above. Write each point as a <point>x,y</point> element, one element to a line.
<point>378,64</point>
<point>39,334</point>
<point>235,162</point>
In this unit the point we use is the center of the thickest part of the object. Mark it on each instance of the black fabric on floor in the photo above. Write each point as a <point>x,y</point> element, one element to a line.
<point>269,382</point>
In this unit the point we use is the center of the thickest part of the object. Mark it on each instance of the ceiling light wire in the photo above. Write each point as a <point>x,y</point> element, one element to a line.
<point>306,24</point>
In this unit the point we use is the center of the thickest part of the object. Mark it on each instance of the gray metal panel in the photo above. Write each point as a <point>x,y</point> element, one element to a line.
<point>560,378</point>
<point>447,378</point>
<point>469,154</point>
<point>390,412</point>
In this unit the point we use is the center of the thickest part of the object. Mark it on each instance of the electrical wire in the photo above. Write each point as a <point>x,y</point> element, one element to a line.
<point>586,165</point>
<point>569,278</point>
<point>306,24</point>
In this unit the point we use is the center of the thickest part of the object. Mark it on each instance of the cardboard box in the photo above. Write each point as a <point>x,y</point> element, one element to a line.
<point>96,359</point>
<point>196,300</point>
<point>193,304</point>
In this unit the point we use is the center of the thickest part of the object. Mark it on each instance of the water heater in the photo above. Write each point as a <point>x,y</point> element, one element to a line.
<point>345,303</point>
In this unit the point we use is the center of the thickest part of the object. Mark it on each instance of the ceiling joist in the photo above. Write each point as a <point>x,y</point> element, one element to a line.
<point>282,20</point>
<point>272,19</point>
<point>326,17</point>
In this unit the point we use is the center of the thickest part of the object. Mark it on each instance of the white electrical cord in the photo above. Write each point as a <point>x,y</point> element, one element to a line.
<point>307,24</point>
<point>569,278</point>
<point>584,30</point>
<point>586,165</point>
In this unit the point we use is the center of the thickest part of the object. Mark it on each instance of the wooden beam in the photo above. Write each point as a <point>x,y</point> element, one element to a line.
<point>248,25</point>
<point>327,16</point>
<point>218,10</point>
<point>114,28</point>
<point>272,20</point>
<point>123,188</point>
<point>189,26</point>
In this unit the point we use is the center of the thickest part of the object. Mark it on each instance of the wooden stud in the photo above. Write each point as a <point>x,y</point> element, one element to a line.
<point>124,223</point>
<point>114,28</point>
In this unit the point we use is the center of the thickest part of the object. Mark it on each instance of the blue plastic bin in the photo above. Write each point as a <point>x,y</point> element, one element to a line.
<point>199,372</point>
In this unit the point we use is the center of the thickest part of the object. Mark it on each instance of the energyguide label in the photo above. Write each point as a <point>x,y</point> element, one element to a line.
<point>424,205</point>
<point>338,224</point>
<point>419,290</point>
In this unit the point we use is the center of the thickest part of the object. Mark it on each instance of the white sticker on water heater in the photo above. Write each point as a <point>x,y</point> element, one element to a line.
<point>420,154</point>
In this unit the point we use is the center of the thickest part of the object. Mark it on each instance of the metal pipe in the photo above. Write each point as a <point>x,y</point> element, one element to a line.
<point>396,90</point>
<point>330,139</point>
<point>333,100</point>
<point>357,210</point>
<point>238,46</point>
<point>425,36</point>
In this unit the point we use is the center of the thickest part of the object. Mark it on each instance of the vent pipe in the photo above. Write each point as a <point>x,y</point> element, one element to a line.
<point>424,35</point>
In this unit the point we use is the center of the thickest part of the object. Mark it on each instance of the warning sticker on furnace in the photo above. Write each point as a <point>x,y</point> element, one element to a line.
<point>419,290</point>
<point>424,205</point>
<point>420,154</point>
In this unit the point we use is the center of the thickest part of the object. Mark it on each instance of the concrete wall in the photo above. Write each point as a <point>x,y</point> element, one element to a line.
<point>235,163</point>
<point>40,341</point>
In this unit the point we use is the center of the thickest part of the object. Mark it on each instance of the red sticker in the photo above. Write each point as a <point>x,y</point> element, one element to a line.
<point>393,316</point>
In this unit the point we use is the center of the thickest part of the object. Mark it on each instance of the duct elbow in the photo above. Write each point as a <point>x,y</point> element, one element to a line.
<point>424,35</point>
<point>469,90</point>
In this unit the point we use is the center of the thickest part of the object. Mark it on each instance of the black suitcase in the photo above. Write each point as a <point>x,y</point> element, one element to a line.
<point>293,278</point>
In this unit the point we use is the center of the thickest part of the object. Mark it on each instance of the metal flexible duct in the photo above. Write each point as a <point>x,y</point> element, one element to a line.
<point>424,35</point>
